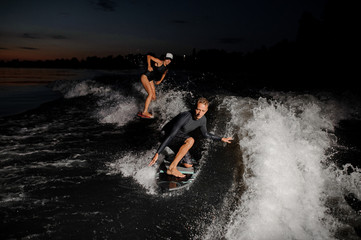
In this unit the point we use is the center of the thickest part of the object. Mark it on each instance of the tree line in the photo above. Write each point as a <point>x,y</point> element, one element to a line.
<point>92,62</point>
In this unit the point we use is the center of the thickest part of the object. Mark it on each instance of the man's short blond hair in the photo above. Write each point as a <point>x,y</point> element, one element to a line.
<point>203,101</point>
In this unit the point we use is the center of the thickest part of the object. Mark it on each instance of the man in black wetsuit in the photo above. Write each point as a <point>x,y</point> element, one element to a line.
<point>177,137</point>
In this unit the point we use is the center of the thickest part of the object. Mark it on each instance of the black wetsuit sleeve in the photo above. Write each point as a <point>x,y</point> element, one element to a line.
<point>206,134</point>
<point>182,119</point>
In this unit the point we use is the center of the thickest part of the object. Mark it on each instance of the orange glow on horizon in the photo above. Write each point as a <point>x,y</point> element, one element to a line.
<point>35,55</point>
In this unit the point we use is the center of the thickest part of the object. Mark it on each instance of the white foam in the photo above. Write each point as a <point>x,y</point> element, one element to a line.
<point>284,147</point>
<point>117,109</point>
<point>170,103</point>
<point>135,165</point>
<point>82,88</point>
<point>113,107</point>
<point>286,186</point>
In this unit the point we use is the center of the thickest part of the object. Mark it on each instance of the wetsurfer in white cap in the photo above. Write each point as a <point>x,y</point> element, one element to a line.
<point>156,71</point>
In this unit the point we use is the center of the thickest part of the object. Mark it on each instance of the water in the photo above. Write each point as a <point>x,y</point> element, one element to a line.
<point>75,166</point>
<point>26,88</point>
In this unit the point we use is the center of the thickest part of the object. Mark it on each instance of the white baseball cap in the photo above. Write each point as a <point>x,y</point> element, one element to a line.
<point>169,55</point>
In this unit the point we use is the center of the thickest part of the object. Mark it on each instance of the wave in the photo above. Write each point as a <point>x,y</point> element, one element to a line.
<point>291,186</point>
<point>117,106</point>
<point>289,173</point>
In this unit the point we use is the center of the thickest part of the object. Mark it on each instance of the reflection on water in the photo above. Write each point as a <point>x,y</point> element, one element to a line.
<point>22,89</point>
<point>36,76</point>
<point>17,99</point>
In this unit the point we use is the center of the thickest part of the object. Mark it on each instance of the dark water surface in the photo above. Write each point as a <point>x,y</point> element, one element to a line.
<point>74,165</point>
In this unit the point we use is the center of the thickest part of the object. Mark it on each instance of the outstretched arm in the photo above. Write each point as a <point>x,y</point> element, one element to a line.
<point>212,136</point>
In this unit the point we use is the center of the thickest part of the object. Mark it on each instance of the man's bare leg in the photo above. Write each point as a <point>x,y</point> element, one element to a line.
<point>172,170</point>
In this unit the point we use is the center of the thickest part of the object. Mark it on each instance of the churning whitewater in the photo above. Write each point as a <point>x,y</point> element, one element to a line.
<point>83,159</point>
<point>287,146</point>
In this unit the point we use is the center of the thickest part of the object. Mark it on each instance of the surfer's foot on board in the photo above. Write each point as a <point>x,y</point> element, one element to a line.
<point>147,114</point>
<point>175,173</point>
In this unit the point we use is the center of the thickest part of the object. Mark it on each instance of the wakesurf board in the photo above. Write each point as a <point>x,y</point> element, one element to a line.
<point>169,183</point>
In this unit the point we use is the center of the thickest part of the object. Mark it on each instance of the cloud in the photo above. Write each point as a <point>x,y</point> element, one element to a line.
<point>29,48</point>
<point>30,36</point>
<point>230,40</point>
<point>43,36</point>
<point>106,5</point>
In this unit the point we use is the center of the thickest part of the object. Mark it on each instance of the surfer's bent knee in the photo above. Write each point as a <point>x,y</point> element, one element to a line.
<point>189,141</point>
<point>187,165</point>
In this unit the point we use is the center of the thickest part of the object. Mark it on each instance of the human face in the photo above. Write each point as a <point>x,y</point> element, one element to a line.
<point>201,109</point>
<point>167,61</point>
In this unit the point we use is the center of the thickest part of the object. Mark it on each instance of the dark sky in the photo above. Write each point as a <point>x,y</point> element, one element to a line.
<point>49,29</point>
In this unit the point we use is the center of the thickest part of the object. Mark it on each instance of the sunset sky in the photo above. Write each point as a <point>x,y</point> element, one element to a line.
<point>49,29</point>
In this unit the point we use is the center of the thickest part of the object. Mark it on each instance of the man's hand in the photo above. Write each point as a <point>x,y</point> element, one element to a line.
<point>227,140</point>
<point>155,158</point>
<point>150,69</point>
<point>157,82</point>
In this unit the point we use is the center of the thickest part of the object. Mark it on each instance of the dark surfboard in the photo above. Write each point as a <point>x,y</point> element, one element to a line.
<point>168,183</point>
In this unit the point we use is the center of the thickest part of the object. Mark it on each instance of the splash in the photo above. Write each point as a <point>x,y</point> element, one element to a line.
<point>288,183</point>
<point>117,107</point>
<point>170,103</point>
<point>135,165</point>
<point>284,175</point>
<point>71,89</point>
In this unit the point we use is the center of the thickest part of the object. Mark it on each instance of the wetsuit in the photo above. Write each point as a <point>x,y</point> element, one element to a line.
<point>177,132</point>
<point>157,72</point>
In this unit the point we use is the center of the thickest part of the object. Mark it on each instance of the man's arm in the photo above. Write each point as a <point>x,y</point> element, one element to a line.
<point>206,134</point>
